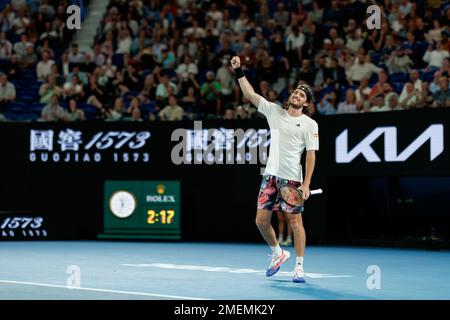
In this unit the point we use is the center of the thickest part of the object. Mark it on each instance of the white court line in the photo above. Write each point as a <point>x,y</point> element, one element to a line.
<point>102,290</point>
<point>203,268</point>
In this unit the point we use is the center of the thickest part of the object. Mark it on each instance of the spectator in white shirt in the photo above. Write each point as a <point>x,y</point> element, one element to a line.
<point>377,104</point>
<point>7,90</point>
<point>172,112</point>
<point>73,89</point>
<point>435,58</point>
<point>184,69</point>
<point>362,68</point>
<point>354,40</point>
<point>20,48</point>
<point>391,102</point>
<point>65,64</point>
<point>410,97</point>
<point>22,22</point>
<point>215,14</point>
<point>124,42</point>
<point>294,43</point>
<point>415,80</point>
<point>226,80</point>
<point>44,67</point>
<point>399,61</point>
<point>435,34</point>
<point>5,47</point>
<point>195,31</point>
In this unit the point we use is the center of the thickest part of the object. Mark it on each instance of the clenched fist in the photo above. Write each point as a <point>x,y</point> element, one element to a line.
<point>235,62</point>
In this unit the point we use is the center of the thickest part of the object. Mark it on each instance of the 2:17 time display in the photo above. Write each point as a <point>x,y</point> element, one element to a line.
<point>163,216</point>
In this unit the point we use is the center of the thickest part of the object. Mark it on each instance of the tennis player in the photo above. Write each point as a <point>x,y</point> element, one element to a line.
<point>292,131</point>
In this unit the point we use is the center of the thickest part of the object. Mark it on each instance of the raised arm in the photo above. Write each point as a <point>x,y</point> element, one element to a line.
<point>246,87</point>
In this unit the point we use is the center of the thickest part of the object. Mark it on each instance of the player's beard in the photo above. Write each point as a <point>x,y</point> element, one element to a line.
<point>296,106</point>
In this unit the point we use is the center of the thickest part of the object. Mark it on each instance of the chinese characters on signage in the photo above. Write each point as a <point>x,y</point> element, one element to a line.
<point>69,145</point>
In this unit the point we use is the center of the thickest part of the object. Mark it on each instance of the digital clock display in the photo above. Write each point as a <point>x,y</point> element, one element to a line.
<point>162,216</point>
<point>142,209</point>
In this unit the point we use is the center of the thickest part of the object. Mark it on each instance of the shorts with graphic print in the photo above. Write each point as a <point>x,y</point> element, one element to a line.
<point>269,197</point>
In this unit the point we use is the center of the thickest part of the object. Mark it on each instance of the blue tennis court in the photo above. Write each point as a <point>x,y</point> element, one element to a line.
<point>112,270</point>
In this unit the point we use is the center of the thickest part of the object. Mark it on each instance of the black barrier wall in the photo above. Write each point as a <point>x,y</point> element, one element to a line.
<point>58,170</point>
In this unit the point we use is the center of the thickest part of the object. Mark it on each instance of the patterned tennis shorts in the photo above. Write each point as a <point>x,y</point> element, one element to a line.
<point>269,197</point>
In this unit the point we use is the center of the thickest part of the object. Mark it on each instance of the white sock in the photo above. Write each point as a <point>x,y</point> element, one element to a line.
<point>299,261</point>
<point>289,238</point>
<point>276,250</point>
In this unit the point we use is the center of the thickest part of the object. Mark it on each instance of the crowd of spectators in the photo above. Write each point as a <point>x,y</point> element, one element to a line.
<point>169,60</point>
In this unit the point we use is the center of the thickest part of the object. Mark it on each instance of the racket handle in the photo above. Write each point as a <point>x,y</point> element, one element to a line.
<point>316,191</point>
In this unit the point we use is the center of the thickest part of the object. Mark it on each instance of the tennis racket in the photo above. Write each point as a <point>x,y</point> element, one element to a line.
<point>293,196</point>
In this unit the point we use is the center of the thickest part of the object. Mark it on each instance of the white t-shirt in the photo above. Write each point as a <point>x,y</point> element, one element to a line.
<point>290,136</point>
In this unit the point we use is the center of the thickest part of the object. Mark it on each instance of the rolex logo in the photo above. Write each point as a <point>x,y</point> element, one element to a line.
<point>160,189</point>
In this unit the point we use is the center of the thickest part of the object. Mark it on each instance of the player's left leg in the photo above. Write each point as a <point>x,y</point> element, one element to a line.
<point>296,222</point>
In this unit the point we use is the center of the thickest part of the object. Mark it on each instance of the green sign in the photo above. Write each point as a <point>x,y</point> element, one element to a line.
<point>142,210</point>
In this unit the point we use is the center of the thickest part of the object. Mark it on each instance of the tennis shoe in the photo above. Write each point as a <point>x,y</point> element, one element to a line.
<point>299,275</point>
<point>276,262</point>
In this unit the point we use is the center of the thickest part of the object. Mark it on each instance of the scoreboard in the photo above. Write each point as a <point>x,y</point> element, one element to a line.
<point>141,210</point>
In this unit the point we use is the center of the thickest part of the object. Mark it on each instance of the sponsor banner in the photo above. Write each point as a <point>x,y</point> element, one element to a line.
<point>23,226</point>
<point>397,143</point>
<point>74,146</point>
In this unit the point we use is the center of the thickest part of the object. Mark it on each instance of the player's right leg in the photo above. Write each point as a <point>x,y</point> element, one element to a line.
<point>279,256</point>
<point>281,226</point>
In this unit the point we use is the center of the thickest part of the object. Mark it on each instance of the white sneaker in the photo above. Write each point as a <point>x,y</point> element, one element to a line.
<point>287,242</point>
<point>276,262</point>
<point>299,275</point>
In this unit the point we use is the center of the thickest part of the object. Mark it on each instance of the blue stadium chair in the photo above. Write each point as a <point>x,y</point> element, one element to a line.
<point>90,110</point>
<point>145,73</point>
<point>375,58</point>
<point>421,47</point>
<point>36,108</point>
<point>18,83</point>
<point>12,36</point>
<point>3,4</point>
<point>324,91</point>
<point>399,77</point>
<point>16,108</point>
<point>397,87</point>
<point>373,79</point>
<point>117,60</point>
<point>27,98</point>
<point>148,107</point>
<point>87,106</point>
<point>10,116</point>
<point>29,73</point>
<point>428,76</point>
<point>132,94</point>
<point>170,73</point>
<point>28,117</point>
<point>90,114</point>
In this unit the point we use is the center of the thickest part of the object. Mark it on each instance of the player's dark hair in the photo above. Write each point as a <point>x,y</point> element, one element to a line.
<point>309,97</point>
